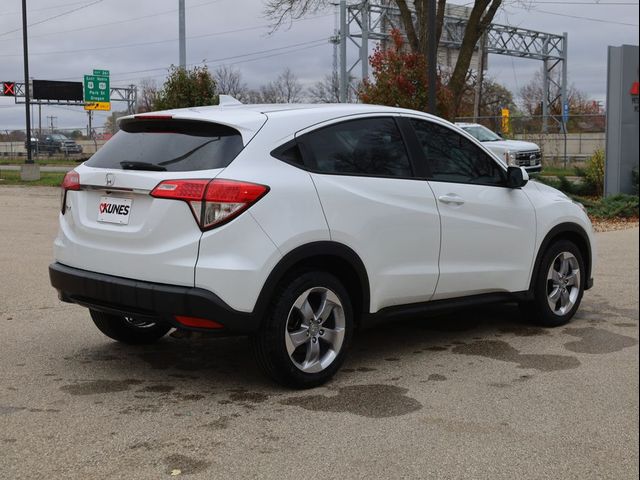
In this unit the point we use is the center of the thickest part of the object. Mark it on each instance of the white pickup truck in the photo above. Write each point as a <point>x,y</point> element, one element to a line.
<point>513,152</point>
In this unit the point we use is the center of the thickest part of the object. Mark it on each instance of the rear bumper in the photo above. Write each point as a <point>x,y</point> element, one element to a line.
<point>160,302</point>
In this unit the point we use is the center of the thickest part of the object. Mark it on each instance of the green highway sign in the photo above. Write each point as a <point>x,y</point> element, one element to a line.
<point>97,90</point>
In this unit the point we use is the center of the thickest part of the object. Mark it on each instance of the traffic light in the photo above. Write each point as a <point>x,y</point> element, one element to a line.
<point>9,89</point>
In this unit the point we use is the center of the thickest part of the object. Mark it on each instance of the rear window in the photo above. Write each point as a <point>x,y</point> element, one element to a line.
<point>171,145</point>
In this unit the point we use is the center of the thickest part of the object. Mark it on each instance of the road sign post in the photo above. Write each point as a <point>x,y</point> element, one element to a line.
<point>97,91</point>
<point>565,119</point>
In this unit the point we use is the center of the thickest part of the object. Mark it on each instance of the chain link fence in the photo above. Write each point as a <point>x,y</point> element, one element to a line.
<point>13,143</point>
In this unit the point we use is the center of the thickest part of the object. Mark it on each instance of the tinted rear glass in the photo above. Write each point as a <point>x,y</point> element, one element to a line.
<point>371,146</point>
<point>172,145</point>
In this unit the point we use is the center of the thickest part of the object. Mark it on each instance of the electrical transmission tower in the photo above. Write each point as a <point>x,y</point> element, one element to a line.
<point>373,20</point>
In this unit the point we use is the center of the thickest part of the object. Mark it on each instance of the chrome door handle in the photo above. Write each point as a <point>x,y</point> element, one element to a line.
<point>451,199</point>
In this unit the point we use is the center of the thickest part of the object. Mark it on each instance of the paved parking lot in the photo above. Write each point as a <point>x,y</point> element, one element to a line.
<point>473,395</point>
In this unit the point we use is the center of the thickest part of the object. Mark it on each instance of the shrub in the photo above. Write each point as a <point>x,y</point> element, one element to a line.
<point>594,173</point>
<point>562,183</point>
<point>615,206</point>
<point>634,180</point>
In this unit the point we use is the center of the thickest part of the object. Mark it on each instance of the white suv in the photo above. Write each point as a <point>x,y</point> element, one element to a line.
<point>295,224</point>
<point>513,152</point>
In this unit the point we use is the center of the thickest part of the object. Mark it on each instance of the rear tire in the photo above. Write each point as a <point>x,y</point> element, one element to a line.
<point>558,286</point>
<point>304,338</point>
<point>128,329</point>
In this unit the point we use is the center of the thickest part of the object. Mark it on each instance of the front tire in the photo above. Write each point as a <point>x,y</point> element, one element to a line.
<point>305,337</point>
<point>128,329</point>
<point>558,287</point>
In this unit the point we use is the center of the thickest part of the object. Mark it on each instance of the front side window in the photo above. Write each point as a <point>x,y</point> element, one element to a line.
<point>371,146</point>
<point>453,158</point>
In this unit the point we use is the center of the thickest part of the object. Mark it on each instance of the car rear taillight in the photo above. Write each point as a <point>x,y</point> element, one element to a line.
<point>213,202</point>
<point>71,181</point>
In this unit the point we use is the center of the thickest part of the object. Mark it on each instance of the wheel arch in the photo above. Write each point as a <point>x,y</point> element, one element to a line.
<point>565,231</point>
<point>332,257</point>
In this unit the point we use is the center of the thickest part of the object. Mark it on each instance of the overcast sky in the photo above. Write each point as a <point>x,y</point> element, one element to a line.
<point>137,39</point>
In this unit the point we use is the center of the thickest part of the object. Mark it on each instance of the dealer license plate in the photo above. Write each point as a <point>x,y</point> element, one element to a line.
<point>114,210</point>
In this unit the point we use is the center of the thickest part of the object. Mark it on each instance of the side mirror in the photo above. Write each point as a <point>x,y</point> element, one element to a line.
<point>499,134</point>
<point>517,177</point>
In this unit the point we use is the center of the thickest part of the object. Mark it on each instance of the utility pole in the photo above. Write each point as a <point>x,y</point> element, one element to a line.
<point>51,119</point>
<point>90,127</point>
<point>182,34</point>
<point>29,171</point>
<point>479,78</point>
<point>432,56</point>
<point>344,83</point>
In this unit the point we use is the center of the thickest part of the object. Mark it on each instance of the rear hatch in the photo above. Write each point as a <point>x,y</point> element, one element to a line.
<point>110,222</point>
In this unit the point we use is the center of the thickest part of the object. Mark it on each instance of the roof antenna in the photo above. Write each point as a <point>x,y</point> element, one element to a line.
<point>228,100</point>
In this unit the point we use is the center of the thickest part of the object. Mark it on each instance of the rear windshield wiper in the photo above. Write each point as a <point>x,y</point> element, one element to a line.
<point>142,166</point>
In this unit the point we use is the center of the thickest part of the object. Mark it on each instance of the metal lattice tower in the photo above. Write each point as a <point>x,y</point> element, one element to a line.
<point>117,94</point>
<point>367,20</point>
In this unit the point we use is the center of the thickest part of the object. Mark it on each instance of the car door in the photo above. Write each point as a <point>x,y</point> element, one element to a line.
<point>488,229</point>
<point>374,204</point>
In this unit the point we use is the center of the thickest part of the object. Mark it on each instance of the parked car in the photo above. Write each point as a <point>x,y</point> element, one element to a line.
<point>513,152</point>
<point>297,224</point>
<point>35,144</point>
<point>58,143</point>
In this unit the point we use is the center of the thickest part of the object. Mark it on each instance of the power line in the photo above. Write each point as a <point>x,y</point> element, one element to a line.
<point>586,3</point>
<point>312,43</point>
<point>53,17</point>
<point>6,14</point>
<point>309,44</point>
<point>211,62</point>
<point>591,19</point>
<point>118,22</point>
<point>142,44</point>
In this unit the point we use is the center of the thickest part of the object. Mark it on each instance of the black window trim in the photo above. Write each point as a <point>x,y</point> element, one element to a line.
<point>421,157</point>
<point>309,160</point>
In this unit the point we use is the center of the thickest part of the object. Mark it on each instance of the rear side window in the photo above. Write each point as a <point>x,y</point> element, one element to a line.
<point>371,146</point>
<point>290,153</point>
<point>171,145</point>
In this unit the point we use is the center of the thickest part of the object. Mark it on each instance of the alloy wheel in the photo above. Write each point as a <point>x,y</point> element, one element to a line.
<point>315,329</point>
<point>563,283</point>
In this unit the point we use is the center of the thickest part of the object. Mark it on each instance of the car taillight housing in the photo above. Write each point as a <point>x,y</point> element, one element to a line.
<point>212,202</point>
<point>71,181</point>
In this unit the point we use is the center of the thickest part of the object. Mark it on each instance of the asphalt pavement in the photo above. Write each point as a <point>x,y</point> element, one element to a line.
<point>478,394</point>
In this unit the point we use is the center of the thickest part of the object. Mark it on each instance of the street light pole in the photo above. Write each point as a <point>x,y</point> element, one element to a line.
<point>182,35</point>
<point>29,171</point>
<point>27,93</point>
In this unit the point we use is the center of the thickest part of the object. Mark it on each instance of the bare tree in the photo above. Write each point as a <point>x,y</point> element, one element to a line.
<point>480,18</point>
<point>327,90</point>
<point>532,94</point>
<point>282,11</point>
<point>229,82</point>
<point>148,95</point>
<point>288,87</point>
<point>284,89</point>
<point>478,23</point>
<point>269,94</point>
